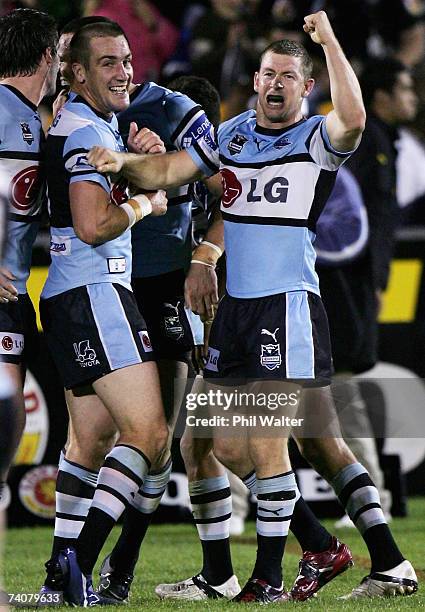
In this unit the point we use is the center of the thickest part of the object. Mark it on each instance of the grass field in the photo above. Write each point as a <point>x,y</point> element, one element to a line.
<point>171,552</point>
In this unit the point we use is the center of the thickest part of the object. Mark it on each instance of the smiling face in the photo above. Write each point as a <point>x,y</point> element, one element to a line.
<point>105,82</point>
<point>281,87</point>
<point>65,70</point>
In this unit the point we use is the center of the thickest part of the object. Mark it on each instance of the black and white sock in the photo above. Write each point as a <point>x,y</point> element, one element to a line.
<point>276,500</point>
<point>75,487</point>
<point>212,509</point>
<point>360,498</point>
<point>137,519</point>
<point>305,526</point>
<point>120,477</point>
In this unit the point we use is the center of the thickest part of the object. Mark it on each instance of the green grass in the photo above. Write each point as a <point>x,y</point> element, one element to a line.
<point>172,552</point>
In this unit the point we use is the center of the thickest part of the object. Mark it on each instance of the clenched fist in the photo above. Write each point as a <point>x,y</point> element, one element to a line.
<point>159,202</point>
<point>105,160</point>
<point>319,28</point>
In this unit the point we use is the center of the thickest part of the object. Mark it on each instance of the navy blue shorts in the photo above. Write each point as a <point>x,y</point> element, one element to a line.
<point>94,330</point>
<point>171,327</point>
<point>278,337</point>
<point>18,331</point>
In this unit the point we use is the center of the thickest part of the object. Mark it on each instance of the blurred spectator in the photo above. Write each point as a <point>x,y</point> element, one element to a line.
<point>411,178</point>
<point>62,10</point>
<point>153,38</point>
<point>390,100</point>
<point>226,41</point>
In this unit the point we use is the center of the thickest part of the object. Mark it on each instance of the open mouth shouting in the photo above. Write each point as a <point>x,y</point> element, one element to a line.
<point>275,101</point>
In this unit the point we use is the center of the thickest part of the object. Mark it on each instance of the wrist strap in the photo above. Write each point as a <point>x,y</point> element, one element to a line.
<point>215,247</point>
<point>203,263</point>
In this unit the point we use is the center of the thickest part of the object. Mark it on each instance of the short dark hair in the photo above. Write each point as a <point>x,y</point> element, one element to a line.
<point>79,48</point>
<point>79,22</point>
<point>379,74</point>
<point>25,34</point>
<point>290,47</point>
<point>202,92</point>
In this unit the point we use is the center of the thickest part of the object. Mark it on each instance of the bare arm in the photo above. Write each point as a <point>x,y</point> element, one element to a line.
<point>201,287</point>
<point>96,219</point>
<point>345,123</point>
<point>147,171</point>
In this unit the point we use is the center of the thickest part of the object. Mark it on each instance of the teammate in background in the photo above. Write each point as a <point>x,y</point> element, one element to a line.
<point>162,250</point>
<point>256,150</point>
<point>94,330</point>
<point>8,409</point>
<point>28,69</point>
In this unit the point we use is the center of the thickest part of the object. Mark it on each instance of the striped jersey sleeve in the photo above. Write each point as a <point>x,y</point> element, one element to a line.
<point>75,151</point>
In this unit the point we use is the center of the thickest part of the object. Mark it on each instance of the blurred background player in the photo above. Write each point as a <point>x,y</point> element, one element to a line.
<point>28,69</point>
<point>8,408</point>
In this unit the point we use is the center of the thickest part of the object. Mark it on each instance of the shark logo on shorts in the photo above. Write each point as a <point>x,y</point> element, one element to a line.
<point>271,357</point>
<point>172,324</point>
<point>86,356</point>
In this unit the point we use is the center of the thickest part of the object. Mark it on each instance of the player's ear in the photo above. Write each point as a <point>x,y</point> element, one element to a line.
<point>256,79</point>
<point>79,72</point>
<point>308,87</point>
<point>49,56</point>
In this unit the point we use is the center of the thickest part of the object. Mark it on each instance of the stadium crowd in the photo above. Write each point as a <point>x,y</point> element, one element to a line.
<point>127,163</point>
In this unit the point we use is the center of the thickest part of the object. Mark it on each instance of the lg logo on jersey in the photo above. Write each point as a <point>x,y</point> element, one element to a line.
<point>274,191</point>
<point>25,188</point>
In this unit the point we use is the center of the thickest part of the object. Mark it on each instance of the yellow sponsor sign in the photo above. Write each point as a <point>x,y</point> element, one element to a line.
<point>27,448</point>
<point>401,297</point>
<point>35,285</point>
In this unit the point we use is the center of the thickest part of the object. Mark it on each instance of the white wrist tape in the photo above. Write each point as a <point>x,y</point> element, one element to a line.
<point>213,246</point>
<point>127,208</point>
<point>136,208</point>
<point>144,204</point>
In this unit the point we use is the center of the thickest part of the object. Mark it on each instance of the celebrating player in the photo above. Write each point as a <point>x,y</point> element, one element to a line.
<point>93,327</point>
<point>277,170</point>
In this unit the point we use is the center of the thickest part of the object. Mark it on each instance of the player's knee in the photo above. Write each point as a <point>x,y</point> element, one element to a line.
<point>158,443</point>
<point>311,450</point>
<point>103,445</point>
<point>194,451</point>
<point>228,454</point>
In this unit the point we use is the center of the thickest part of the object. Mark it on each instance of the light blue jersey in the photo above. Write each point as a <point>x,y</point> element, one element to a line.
<point>76,129</point>
<point>21,136</point>
<point>163,244</point>
<point>275,185</point>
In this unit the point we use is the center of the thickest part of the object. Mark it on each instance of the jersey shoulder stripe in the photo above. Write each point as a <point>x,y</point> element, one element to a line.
<point>20,155</point>
<point>189,118</point>
<point>287,159</point>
